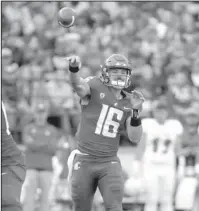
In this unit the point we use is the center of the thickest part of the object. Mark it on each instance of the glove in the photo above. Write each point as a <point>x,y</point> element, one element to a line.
<point>74,63</point>
<point>137,100</point>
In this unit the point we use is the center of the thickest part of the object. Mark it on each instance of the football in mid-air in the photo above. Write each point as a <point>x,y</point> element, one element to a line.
<point>66,17</point>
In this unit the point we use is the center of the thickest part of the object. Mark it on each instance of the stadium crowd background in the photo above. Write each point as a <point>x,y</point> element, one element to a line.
<point>161,39</point>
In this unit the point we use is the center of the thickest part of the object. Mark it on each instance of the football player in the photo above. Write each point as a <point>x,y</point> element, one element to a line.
<point>160,137</point>
<point>106,111</point>
<point>12,168</point>
<point>188,165</point>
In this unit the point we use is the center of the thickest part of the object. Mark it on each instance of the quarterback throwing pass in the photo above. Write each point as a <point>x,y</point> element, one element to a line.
<point>106,111</point>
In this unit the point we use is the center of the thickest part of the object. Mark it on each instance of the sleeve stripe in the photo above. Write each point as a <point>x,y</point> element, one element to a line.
<point>6,119</point>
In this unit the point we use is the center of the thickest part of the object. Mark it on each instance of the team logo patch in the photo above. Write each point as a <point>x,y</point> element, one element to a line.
<point>102,95</point>
<point>77,165</point>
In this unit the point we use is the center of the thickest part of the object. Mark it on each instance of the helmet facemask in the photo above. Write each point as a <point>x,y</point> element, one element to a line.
<point>118,80</point>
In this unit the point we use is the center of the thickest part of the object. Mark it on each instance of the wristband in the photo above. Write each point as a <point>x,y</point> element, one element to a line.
<point>73,69</point>
<point>135,119</point>
<point>135,122</point>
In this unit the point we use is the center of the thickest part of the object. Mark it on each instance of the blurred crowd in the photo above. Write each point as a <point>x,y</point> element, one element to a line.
<point>161,40</point>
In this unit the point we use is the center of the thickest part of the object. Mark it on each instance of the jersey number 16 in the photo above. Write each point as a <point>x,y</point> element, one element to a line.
<point>105,124</point>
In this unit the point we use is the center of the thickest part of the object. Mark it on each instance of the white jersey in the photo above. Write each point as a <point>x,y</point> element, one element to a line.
<point>160,141</point>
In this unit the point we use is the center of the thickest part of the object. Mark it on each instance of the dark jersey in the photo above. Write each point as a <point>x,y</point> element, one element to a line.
<point>11,155</point>
<point>102,120</point>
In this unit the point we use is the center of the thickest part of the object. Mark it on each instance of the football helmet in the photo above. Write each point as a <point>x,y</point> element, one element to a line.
<point>111,77</point>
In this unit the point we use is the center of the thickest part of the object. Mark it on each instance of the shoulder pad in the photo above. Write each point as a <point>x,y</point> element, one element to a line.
<point>175,124</point>
<point>148,123</point>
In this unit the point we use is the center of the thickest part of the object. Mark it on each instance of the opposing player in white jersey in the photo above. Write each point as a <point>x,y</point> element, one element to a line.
<point>159,160</point>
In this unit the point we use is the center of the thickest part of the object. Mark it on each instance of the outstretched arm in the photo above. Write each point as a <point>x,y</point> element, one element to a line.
<point>79,84</point>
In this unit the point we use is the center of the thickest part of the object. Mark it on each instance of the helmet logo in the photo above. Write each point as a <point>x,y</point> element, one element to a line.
<point>120,64</point>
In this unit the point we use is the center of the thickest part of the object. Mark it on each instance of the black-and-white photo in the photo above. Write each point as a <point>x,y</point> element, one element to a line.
<point>99,106</point>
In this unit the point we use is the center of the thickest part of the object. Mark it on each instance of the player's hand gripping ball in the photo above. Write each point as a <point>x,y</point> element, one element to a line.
<point>66,17</point>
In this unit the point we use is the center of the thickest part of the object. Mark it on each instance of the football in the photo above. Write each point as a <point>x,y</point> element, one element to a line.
<point>66,17</point>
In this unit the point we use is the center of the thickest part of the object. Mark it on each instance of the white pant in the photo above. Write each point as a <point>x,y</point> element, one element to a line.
<point>34,180</point>
<point>160,185</point>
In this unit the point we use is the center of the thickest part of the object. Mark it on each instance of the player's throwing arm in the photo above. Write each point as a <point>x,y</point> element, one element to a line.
<point>78,83</point>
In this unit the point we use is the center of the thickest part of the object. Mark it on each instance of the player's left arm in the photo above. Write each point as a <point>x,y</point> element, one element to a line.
<point>133,123</point>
